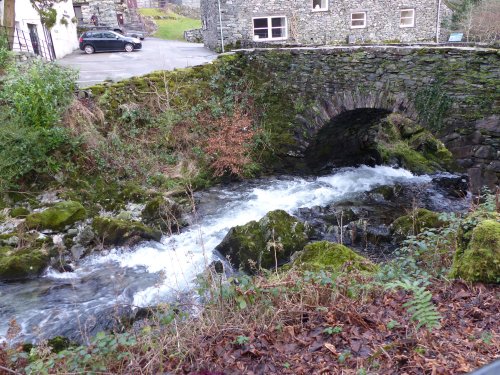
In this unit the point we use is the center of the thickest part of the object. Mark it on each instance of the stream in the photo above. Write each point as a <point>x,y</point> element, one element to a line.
<point>81,303</point>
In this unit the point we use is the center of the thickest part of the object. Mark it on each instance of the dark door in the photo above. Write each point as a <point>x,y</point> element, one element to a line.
<point>78,13</point>
<point>119,18</point>
<point>35,41</point>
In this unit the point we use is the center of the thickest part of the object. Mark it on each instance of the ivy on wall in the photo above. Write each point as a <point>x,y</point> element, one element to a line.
<point>432,104</point>
<point>45,8</point>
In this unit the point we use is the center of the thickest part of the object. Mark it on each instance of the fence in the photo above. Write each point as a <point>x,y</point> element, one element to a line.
<point>30,42</point>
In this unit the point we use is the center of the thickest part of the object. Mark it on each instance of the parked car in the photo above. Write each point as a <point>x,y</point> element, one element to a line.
<point>97,41</point>
<point>135,34</point>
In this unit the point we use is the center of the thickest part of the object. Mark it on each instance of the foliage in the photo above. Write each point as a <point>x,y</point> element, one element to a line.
<point>45,8</point>
<point>27,152</point>
<point>432,105</point>
<point>92,358</point>
<point>478,19</point>
<point>5,54</point>
<point>171,26</point>
<point>38,93</point>
<point>229,145</point>
<point>420,306</point>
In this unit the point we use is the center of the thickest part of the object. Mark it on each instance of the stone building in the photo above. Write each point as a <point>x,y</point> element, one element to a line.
<point>112,13</point>
<point>163,3</point>
<point>187,3</point>
<point>309,22</point>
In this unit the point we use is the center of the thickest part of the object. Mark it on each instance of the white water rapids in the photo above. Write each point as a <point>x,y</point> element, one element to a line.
<point>68,303</point>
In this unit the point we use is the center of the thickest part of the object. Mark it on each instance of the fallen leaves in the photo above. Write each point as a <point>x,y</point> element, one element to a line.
<point>376,336</point>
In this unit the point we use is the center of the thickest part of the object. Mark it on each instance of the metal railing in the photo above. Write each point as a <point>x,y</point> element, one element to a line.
<point>22,41</point>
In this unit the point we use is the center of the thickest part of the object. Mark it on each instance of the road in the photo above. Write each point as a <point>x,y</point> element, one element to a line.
<point>156,54</point>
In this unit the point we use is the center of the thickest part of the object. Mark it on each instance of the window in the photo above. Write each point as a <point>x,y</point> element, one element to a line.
<point>319,5</point>
<point>358,20</point>
<point>270,28</point>
<point>407,18</point>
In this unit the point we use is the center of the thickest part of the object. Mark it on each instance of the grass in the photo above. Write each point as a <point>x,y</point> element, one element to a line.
<point>173,27</point>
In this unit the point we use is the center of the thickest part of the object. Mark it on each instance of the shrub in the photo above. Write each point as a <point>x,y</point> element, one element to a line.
<point>38,93</point>
<point>25,151</point>
<point>5,54</point>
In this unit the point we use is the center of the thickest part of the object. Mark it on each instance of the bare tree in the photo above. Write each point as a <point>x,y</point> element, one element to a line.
<point>480,21</point>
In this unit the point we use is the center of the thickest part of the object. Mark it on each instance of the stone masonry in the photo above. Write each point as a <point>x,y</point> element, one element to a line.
<point>105,10</point>
<point>308,26</point>
<point>335,80</point>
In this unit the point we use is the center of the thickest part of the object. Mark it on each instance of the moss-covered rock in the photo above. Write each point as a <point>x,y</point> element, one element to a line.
<point>57,217</point>
<point>331,257</point>
<point>9,239</point>
<point>254,245</point>
<point>480,259</point>
<point>402,141</point>
<point>412,224</point>
<point>22,264</point>
<point>19,212</point>
<point>118,232</point>
<point>164,214</point>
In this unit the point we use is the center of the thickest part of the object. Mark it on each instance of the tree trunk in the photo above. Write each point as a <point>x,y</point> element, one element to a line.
<point>9,19</point>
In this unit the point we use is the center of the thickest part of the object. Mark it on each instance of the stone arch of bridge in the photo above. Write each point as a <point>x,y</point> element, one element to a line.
<point>338,130</point>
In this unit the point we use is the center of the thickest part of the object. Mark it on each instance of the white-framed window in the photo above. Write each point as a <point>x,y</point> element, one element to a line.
<point>319,5</point>
<point>407,18</point>
<point>358,20</point>
<point>270,28</point>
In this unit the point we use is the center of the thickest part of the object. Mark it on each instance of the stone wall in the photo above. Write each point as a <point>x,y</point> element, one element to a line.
<point>187,3</point>
<point>105,10</point>
<point>310,27</point>
<point>332,80</point>
<point>193,36</point>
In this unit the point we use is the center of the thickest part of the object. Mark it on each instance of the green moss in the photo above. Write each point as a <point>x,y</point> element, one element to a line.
<point>480,260</point>
<point>57,217</point>
<point>256,244</point>
<point>331,257</point>
<point>402,141</point>
<point>58,343</point>
<point>164,214</point>
<point>118,232</point>
<point>19,212</point>
<point>21,264</point>
<point>413,224</point>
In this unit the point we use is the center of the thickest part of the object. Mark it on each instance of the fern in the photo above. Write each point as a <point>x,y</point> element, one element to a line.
<point>420,307</point>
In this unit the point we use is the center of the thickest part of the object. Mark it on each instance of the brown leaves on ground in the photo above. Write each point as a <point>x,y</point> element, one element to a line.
<point>352,336</point>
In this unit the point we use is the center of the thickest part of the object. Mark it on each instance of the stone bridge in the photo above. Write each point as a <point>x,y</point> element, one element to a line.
<point>453,91</point>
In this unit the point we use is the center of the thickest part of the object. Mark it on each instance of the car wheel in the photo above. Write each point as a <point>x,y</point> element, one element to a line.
<point>89,49</point>
<point>129,47</point>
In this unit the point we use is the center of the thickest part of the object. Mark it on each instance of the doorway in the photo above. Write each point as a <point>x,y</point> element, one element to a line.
<point>35,41</point>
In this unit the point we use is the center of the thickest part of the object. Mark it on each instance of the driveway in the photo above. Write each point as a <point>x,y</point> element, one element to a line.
<point>156,54</point>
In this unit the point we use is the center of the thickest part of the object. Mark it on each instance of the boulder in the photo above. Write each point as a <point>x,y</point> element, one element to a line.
<point>479,259</point>
<point>57,217</point>
<point>331,257</point>
<point>257,245</point>
<point>413,224</point>
<point>22,264</point>
<point>164,214</point>
<point>119,232</point>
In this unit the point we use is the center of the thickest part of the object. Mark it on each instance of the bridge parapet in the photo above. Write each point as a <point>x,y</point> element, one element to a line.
<point>454,92</point>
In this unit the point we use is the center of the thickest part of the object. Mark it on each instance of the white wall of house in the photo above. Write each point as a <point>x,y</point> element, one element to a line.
<point>64,37</point>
